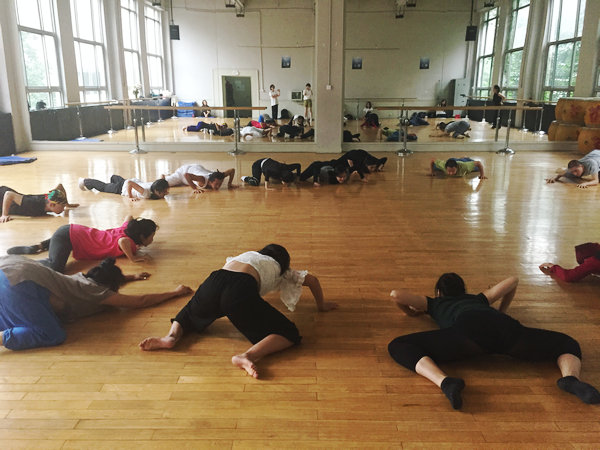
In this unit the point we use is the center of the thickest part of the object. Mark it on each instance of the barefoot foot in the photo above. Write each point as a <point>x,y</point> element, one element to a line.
<point>243,362</point>
<point>154,343</point>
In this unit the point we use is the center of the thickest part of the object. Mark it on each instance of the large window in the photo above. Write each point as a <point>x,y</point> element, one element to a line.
<point>154,48</point>
<point>564,42</point>
<point>515,42</point>
<point>39,45</point>
<point>88,33</point>
<point>131,47</point>
<point>485,53</point>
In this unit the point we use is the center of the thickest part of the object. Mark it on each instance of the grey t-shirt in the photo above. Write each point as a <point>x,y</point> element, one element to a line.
<point>591,165</point>
<point>79,296</point>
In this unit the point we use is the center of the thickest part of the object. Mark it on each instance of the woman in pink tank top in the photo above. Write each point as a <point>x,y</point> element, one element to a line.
<point>88,243</point>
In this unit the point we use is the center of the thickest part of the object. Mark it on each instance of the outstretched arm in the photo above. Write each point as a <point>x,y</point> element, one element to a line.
<point>555,179</point>
<point>480,167</point>
<point>410,304</point>
<point>142,301</point>
<point>590,265</point>
<point>10,198</point>
<point>134,186</point>
<point>195,181</point>
<point>505,290</point>
<point>230,173</point>
<point>315,287</point>
<point>432,167</point>
<point>125,246</point>
<point>592,182</point>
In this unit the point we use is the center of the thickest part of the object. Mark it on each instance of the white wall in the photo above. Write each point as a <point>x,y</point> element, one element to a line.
<point>214,40</point>
<point>391,50</point>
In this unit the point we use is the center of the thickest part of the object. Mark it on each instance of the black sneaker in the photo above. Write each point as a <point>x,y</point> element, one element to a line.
<point>250,180</point>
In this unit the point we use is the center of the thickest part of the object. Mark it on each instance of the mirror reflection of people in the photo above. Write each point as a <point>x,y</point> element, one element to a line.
<point>497,100</point>
<point>274,96</point>
<point>206,112</point>
<point>470,327</point>
<point>457,128</point>
<point>307,95</point>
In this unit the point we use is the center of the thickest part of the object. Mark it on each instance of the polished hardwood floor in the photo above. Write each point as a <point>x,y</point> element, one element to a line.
<point>339,388</point>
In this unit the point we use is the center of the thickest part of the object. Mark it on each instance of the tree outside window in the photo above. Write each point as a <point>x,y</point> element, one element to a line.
<point>515,42</point>
<point>485,53</point>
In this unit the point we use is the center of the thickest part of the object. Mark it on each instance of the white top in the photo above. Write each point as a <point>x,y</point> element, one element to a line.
<point>144,184</point>
<point>274,97</point>
<point>367,110</point>
<point>307,94</point>
<point>289,284</point>
<point>256,132</point>
<point>177,178</point>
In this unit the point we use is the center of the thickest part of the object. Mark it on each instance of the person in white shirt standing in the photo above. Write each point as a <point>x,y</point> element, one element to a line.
<point>274,94</point>
<point>307,94</point>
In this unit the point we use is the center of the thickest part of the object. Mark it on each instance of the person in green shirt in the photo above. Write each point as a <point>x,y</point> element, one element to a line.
<point>456,167</point>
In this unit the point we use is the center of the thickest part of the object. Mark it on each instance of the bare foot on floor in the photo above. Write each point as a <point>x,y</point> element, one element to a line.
<point>154,343</point>
<point>243,362</point>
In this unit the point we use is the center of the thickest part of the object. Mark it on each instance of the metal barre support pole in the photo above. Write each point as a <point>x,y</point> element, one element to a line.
<point>111,130</point>
<point>137,150</point>
<point>506,150</point>
<point>540,131</point>
<point>81,136</point>
<point>404,126</point>
<point>236,133</point>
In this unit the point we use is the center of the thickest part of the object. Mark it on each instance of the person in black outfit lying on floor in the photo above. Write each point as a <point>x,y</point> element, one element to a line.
<point>469,327</point>
<point>272,169</point>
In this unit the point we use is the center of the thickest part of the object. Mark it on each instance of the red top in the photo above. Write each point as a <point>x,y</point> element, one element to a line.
<point>589,266</point>
<point>256,124</point>
<point>91,243</point>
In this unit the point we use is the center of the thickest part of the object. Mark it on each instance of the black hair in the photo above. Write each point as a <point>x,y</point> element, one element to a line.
<point>340,169</point>
<point>441,126</point>
<point>107,274</point>
<point>160,185</point>
<point>279,254</point>
<point>287,176</point>
<point>216,176</point>
<point>574,163</point>
<point>368,105</point>
<point>140,228</point>
<point>496,87</point>
<point>272,86</point>
<point>450,285</point>
<point>308,84</point>
<point>451,163</point>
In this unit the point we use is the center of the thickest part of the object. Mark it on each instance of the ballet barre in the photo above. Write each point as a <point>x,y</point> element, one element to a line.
<point>236,119</point>
<point>78,105</point>
<point>404,121</point>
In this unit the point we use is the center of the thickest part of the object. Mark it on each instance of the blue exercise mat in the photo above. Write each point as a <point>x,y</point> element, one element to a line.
<point>7,160</point>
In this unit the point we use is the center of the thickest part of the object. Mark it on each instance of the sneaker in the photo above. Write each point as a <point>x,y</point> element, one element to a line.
<point>81,184</point>
<point>250,180</point>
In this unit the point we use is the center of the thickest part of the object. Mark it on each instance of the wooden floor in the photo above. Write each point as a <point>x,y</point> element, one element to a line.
<point>339,388</point>
<point>171,130</point>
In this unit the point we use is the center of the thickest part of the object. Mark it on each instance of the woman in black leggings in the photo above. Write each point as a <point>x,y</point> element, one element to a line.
<point>236,291</point>
<point>471,327</point>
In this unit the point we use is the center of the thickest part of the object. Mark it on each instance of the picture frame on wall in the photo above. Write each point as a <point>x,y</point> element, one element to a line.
<point>357,63</point>
<point>286,62</point>
<point>424,64</point>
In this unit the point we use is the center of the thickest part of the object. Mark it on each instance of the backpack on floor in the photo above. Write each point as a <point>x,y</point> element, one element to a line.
<point>284,114</point>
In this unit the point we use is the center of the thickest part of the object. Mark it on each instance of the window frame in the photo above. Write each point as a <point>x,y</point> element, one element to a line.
<point>510,50</point>
<point>134,52</point>
<point>483,58</point>
<point>160,56</point>
<point>552,89</point>
<point>102,90</point>
<point>50,89</point>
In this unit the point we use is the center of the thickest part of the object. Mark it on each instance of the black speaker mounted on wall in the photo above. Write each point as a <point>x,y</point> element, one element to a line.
<point>471,33</point>
<point>174,32</point>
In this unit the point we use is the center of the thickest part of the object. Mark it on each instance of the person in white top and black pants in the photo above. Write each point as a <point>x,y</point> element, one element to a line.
<point>236,291</point>
<point>274,94</point>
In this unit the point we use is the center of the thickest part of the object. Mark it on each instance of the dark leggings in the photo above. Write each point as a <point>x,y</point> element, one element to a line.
<point>272,166</point>
<point>235,295</point>
<point>362,157</point>
<point>480,332</point>
<point>59,248</point>
<point>114,187</point>
<point>274,111</point>
<point>201,125</point>
<point>314,170</point>
<point>292,130</point>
